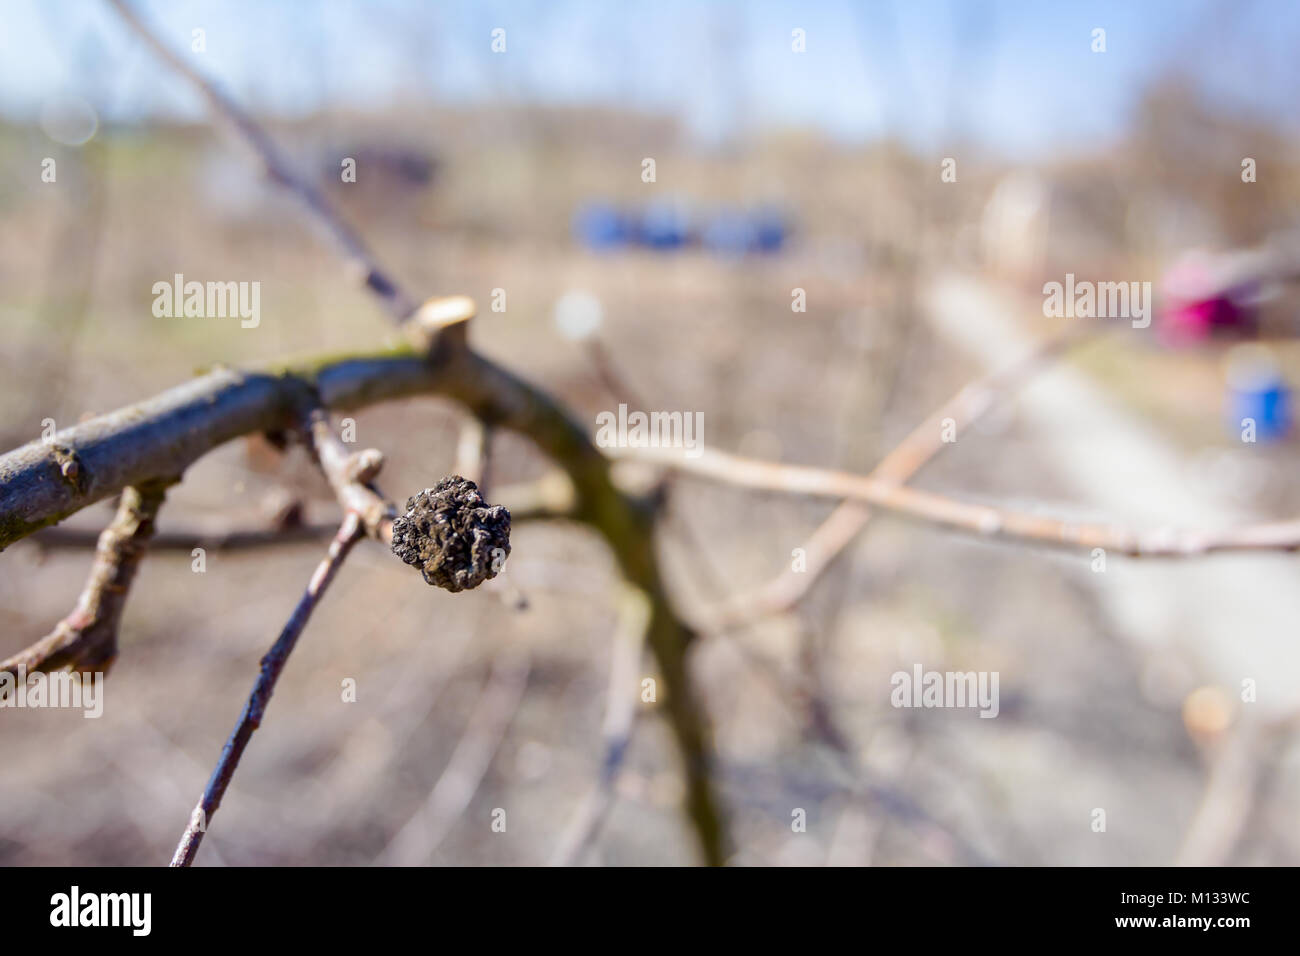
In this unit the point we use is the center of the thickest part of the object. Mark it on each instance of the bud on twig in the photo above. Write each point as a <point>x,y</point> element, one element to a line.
<point>364,466</point>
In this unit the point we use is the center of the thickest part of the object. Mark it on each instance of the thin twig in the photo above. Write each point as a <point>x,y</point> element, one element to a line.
<point>474,454</point>
<point>956,515</point>
<point>187,539</point>
<point>620,718</point>
<point>901,465</point>
<point>350,244</point>
<point>87,638</point>
<point>549,498</point>
<point>805,698</point>
<point>937,838</point>
<point>448,799</point>
<point>1235,768</point>
<point>352,476</point>
<point>349,533</point>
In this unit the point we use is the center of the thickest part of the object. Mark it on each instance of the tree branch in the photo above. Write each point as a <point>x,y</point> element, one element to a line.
<point>86,639</point>
<point>187,539</point>
<point>349,533</point>
<point>515,405</point>
<point>497,705</point>
<point>955,515</point>
<point>474,453</point>
<point>349,243</point>
<point>900,465</point>
<point>352,476</point>
<point>549,498</point>
<point>616,734</point>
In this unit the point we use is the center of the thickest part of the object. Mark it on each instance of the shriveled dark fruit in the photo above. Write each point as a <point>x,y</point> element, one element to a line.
<point>452,535</point>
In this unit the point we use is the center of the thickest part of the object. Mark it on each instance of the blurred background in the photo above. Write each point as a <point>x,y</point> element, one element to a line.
<point>796,147</point>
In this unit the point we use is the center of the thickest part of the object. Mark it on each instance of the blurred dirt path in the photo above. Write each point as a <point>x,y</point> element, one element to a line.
<point>1233,616</point>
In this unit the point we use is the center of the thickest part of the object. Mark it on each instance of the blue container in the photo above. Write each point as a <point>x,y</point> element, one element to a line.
<point>665,225</point>
<point>1269,406</point>
<point>601,227</point>
<point>730,234</point>
<point>770,230</point>
<point>1256,390</point>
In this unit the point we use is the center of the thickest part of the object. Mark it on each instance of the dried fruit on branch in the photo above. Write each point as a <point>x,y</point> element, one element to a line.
<point>452,535</point>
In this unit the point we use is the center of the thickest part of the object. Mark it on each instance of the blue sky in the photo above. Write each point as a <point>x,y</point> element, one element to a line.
<point>1017,77</point>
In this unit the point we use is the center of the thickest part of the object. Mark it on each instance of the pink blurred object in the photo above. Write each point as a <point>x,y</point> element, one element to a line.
<point>1206,297</point>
